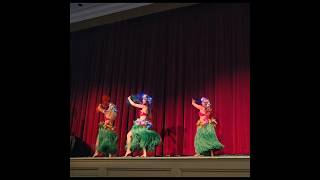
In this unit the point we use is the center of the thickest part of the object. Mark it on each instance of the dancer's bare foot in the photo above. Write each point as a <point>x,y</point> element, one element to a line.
<point>109,155</point>
<point>95,154</point>
<point>212,153</point>
<point>127,153</point>
<point>144,152</point>
<point>197,155</point>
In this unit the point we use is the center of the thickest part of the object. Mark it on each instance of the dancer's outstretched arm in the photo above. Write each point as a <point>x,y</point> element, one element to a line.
<point>135,104</point>
<point>196,105</point>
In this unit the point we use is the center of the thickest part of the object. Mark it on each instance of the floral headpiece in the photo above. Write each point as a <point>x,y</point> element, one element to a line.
<point>148,98</point>
<point>206,101</point>
<point>112,107</point>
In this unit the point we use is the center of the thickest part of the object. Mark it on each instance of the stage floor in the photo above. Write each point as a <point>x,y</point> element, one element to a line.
<point>167,157</point>
<point>183,166</point>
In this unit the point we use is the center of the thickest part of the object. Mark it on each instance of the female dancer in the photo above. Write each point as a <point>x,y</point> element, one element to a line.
<point>107,138</point>
<point>205,138</point>
<point>140,135</point>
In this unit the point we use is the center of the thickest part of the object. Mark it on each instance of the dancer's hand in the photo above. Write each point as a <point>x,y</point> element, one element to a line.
<point>214,121</point>
<point>99,108</point>
<point>193,101</point>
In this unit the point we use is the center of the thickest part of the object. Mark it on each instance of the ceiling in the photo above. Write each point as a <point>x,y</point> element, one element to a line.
<point>84,11</point>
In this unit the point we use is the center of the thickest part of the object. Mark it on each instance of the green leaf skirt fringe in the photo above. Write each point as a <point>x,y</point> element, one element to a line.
<point>143,137</point>
<point>108,141</point>
<point>206,139</point>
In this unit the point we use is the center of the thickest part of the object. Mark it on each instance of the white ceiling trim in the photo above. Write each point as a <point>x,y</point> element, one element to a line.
<point>100,9</point>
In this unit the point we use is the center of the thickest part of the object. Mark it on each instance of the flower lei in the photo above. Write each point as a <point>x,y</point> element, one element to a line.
<point>144,123</point>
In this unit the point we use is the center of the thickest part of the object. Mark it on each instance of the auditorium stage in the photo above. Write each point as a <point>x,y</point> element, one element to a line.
<point>184,166</point>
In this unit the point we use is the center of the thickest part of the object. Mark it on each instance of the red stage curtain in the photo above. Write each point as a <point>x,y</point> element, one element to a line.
<point>173,56</point>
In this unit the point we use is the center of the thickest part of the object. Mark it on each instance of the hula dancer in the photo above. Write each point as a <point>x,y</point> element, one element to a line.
<point>141,136</point>
<point>107,137</point>
<point>206,138</point>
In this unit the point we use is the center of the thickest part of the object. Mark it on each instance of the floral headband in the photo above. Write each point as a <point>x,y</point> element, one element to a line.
<point>148,98</point>
<point>113,107</point>
<point>205,100</point>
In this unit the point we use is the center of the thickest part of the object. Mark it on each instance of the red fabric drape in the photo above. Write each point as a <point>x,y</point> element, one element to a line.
<point>173,56</point>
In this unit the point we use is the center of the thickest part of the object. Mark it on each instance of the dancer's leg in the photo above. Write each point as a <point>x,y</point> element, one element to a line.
<point>97,144</point>
<point>129,137</point>
<point>144,152</point>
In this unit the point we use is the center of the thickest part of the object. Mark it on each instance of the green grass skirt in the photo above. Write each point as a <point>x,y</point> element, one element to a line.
<point>108,141</point>
<point>143,137</point>
<point>206,139</point>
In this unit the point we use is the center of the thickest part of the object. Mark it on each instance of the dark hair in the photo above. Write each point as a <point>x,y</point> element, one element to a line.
<point>149,104</point>
<point>105,99</point>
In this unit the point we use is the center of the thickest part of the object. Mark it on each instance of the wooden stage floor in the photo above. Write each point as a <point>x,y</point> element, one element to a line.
<point>184,166</point>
